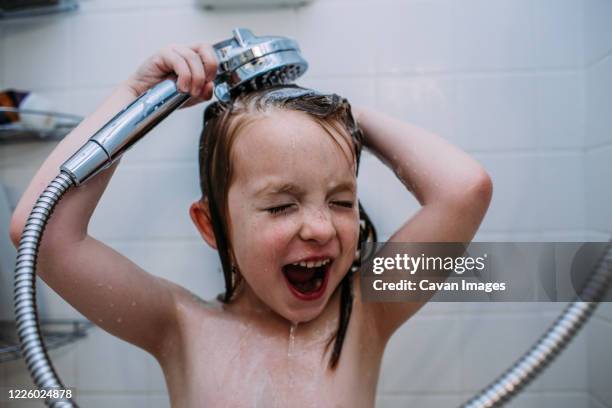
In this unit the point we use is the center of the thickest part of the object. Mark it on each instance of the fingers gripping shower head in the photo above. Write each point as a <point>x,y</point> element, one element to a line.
<point>248,62</point>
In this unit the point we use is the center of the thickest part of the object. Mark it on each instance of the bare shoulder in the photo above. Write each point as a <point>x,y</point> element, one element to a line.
<point>187,341</point>
<point>187,301</point>
<point>191,312</point>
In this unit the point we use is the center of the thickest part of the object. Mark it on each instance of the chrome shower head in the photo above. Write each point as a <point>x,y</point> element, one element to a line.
<point>248,62</point>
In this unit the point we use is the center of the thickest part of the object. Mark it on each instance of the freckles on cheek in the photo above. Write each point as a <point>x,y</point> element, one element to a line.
<point>276,230</point>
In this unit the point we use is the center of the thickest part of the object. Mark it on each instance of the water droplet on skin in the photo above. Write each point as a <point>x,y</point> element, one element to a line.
<point>290,348</point>
<point>110,287</point>
<point>119,320</point>
<point>133,303</point>
<point>112,305</point>
<point>292,330</point>
<point>100,320</point>
<point>99,284</point>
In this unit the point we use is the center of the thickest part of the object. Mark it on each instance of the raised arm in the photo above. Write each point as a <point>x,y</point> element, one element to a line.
<point>100,283</point>
<point>452,188</point>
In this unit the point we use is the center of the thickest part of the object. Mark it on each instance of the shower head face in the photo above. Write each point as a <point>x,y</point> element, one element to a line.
<point>248,62</point>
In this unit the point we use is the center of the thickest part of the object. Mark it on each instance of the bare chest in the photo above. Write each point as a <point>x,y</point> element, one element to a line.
<point>234,365</point>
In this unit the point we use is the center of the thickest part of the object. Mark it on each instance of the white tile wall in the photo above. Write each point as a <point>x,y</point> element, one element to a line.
<point>598,156</point>
<point>416,37</point>
<point>493,35</point>
<point>427,101</point>
<point>598,31</point>
<point>595,403</point>
<point>600,360</point>
<point>599,91</point>
<point>604,311</point>
<point>137,198</point>
<point>556,94</point>
<point>559,33</point>
<point>554,202</point>
<point>565,400</point>
<point>96,57</point>
<point>345,41</point>
<point>421,401</point>
<point>37,53</point>
<point>523,85</point>
<point>599,195</point>
<point>416,352</point>
<point>496,112</point>
<point>102,367</point>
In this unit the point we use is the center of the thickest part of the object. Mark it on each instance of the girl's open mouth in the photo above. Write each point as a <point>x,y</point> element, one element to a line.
<point>307,283</point>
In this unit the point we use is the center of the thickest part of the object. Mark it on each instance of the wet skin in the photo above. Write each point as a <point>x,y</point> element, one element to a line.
<point>231,357</point>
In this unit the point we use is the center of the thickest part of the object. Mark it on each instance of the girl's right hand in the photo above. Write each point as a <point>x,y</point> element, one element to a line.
<point>193,68</point>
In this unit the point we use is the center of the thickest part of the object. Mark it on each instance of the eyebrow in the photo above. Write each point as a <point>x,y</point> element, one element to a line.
<point>274,188</point>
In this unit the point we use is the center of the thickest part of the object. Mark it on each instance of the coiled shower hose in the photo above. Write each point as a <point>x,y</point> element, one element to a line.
<point>32,348</point>
<point>500,391</point>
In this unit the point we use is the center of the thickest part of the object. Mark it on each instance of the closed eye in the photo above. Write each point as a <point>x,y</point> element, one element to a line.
<point>279,209</point>
<point>347,204</point>
<point>283,208</point>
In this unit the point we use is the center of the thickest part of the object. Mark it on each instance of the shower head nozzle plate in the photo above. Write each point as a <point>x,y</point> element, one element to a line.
<point>248,62</point>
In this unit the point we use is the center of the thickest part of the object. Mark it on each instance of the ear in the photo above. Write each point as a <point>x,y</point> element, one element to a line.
<point>200,215</point>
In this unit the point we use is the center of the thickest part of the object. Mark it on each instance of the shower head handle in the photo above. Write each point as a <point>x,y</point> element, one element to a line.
<point>125,129</point>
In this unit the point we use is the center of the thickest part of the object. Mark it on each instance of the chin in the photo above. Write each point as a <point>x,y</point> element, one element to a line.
<point>303,315</point>
<point>299,311</point>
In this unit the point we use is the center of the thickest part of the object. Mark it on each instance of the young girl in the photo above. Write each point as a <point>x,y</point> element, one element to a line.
<point>278,174</point>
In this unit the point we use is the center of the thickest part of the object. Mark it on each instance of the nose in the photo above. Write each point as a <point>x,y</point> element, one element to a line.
<point>317,226</point>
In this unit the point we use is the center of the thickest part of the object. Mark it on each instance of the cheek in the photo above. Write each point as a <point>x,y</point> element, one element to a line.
<point>274,238</point>
<point>349,226</point>
<point>349,231</point>
<point>277,228</point>
<point>265,239</point>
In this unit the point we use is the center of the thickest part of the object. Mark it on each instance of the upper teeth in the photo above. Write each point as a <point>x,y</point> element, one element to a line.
<point>312,264</point>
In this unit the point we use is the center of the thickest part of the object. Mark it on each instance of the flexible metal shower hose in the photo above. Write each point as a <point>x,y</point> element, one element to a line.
<point>500,391</point>
<point>550,345</point>
<point>32,348</point>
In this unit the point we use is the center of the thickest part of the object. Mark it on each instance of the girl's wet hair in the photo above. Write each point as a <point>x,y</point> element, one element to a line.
<point>222,121</point>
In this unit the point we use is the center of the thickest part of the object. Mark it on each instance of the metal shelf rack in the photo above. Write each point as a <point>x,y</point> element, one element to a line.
<point>10,9</point>
<point>18,131</point>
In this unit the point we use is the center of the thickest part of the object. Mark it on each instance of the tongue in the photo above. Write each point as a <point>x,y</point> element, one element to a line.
<point>299,274</point>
